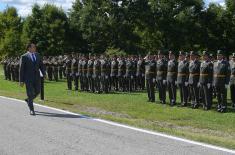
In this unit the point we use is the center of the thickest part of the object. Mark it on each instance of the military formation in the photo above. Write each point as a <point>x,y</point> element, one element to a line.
<point>199,78</point>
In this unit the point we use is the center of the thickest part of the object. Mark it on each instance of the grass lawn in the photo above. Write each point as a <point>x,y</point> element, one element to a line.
<point>132,109</point>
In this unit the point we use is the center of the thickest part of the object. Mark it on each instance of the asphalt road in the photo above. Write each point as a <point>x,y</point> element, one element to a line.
<point>56,133</point>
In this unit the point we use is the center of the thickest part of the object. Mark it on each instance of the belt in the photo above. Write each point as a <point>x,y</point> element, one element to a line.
<point>171,72</point>
<point>161,71</point>
<point>204,74</point>
<point>182,74</point>
<point>219,75</point>
<point>150,72</point>
<point>196,74</point>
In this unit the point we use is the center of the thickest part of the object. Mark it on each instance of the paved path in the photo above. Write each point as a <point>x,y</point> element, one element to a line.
<point>56,132</point>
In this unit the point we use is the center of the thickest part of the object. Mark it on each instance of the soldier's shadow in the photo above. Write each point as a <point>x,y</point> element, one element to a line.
<point>59,115</point>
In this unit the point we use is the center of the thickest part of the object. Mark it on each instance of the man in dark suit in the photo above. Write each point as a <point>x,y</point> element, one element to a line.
<point>30,67</point>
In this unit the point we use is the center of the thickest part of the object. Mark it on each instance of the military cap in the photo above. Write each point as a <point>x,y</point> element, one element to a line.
<point>181,53</point>
<point>219,52</point>
<point>171,52</point>
<point>233,55</point>
<point>194,53</point>
<point>205,53</point>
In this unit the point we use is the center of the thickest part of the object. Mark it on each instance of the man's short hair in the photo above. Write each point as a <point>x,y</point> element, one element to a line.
<point>29,45</point>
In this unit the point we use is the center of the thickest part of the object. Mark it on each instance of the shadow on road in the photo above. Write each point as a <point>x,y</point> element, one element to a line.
<point>49,114</point>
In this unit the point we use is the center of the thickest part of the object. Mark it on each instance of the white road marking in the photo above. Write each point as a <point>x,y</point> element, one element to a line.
<point>133,128</point>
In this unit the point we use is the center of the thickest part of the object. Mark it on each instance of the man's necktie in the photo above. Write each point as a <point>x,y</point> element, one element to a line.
<point>34,58</point>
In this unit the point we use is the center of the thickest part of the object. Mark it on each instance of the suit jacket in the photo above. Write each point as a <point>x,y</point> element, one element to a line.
<point>29,70</point>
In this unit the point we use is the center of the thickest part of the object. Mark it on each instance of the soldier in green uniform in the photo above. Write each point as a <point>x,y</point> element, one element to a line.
<point>104,65</point>
<point>206,78</point>
<point>84,73</point>
<point>129,74</point>
<point>55,68</point>
<point>90,73</point>
<point>194,75</point>
<point>150,75</point>
<point>140,73</point>
<point>182,78</point>
<point>161,70</point>
<point>172,70</point>
<point>96,74</point>
<point>221,80</point>
<point>60,64</point>
<point>74,66</point>
<point>5,68</point>
<point>114,73</point>
<point>232,80</point>
<point>80,72</point>
<point>121,73</point>
<point>68,71</point>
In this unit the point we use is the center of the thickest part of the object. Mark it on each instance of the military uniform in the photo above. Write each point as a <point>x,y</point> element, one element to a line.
<point>232,81</point>
<point>161,79</point>
<point>150,74</point>
<point>75,72</point>
<point>55,69</point>
<point>140,74</point>
<point>104,66</point>
<point>129,75</point>
<point>171,80</point>
<point>206,78</point>
<point>182,81</point>
<point>90,75</point>
<point>96,75</point>
<point>221,79</point>
<point>68,72</point>
<point>121,74</point>
<point>84,74</point>
<point>194,75</point>
<point>80,74</point>
<point>114,74</point>
<point>49,69</point>
<point>60,64</point>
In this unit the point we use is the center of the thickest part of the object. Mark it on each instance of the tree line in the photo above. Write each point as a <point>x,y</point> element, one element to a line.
<point>120,27</point>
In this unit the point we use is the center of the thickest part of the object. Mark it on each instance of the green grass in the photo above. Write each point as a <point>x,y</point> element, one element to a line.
<point>132,109</point>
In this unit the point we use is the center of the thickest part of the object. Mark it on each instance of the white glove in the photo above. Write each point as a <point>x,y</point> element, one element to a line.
<point>198,84</point>
<point>176,83</point>
<point>77,74</point>
<point>208,85</point>
<point>106,77</point>
<point>131,77</point>
<point>186,84</point>
<point>71,74</point>
<point>226,86</point>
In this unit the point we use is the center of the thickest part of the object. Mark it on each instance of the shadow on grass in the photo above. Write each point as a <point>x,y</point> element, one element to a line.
<point>59,115</point>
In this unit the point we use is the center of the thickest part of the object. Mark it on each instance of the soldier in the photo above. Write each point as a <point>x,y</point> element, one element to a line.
<point>221,80</point>
<point>84,73</point>
<point>161,70</point>
<point>172,77</point>
<point>96,74</point>
<point>9,69</point>
<point>121,73</point>
<point>104,74</point>
<point>80,72</point>
<point>68,71</point>
<point>55,68</point>
<point>114,73</point>
<point>90,73</point>
<point>74,66</point>
<point>232,80</point>
<point>194,75</point>
<point>129,74</point>
<point>140,76</point>
<point>60,64</point>
<point>150,74</point>
<point>17,67</point>
<point>206,78</point>
<point>182,78</point>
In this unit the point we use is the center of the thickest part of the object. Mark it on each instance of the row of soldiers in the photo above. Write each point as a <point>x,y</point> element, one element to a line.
<point>196,79</point>
<point>11,68</point>
<point>102,74</point>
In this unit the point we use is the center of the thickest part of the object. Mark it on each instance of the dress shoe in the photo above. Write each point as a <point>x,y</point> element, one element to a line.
<point>32,113</point>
